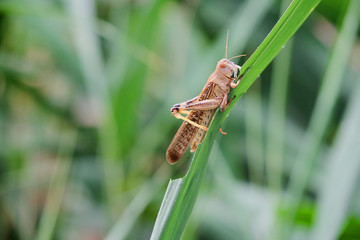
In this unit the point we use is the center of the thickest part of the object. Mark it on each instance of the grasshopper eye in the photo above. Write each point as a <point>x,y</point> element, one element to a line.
<point>232,74</point>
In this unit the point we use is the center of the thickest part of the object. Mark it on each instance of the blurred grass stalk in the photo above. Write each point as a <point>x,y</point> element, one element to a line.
<point>254,132</point>
<point>181,194</point>
<point>324,106</point>
<point>87,45</point>
<point>137,205</point>
<point>340,178</point>
<point>57,185</point>
<point>275,146</point>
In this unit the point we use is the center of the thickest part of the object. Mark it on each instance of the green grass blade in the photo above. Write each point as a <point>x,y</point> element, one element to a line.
<point>167,205</point>
<point>323,109</point>
<point>172,220</point>
<point>287,25</point>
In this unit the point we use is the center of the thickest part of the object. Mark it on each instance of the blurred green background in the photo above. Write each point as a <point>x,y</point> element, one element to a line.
<point>85,92</point>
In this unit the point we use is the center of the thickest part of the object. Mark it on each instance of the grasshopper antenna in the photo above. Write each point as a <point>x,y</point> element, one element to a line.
<point>227,41</point>
<point>242,55</point>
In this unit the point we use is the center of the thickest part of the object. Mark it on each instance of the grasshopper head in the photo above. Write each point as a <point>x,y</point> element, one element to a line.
<point>228,68</point>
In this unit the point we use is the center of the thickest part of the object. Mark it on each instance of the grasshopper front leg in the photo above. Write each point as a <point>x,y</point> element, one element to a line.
<point>185,107</point>
<point>234,85</point>
<point>224,102</point>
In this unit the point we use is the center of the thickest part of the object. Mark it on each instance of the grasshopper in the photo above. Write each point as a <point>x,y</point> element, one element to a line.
<point>201,109</point>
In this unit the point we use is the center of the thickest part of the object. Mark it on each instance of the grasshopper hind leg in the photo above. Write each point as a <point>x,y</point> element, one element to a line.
<point>179,116</point>
<point>203,105</point>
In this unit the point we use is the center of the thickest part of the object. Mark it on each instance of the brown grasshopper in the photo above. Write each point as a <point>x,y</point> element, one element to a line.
<point>201,109</point>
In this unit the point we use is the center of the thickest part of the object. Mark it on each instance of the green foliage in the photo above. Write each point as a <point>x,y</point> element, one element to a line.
<point>85,92</point>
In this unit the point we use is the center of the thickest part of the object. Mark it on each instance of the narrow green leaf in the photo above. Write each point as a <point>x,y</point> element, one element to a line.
<point>167,205</point>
